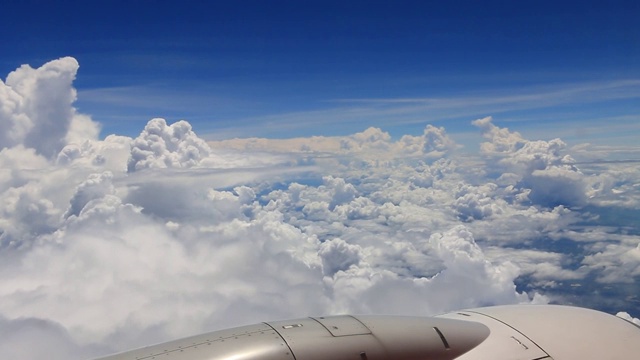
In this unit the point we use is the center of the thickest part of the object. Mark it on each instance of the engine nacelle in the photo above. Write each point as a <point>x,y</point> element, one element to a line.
<point>526,332</point>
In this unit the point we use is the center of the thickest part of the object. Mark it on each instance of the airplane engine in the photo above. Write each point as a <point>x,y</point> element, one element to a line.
<point>513,332</point>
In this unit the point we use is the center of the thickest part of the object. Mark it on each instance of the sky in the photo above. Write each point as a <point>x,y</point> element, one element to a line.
<point>169,169</point>
<point>289,68</point>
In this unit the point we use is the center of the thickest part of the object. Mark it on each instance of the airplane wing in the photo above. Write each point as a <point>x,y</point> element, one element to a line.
<point>513,332</point>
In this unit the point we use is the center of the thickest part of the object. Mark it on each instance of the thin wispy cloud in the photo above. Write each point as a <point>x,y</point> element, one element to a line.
<point>396,112</point>
<point>623,89</point>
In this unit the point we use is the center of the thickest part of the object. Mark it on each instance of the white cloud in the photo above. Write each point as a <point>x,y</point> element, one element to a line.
<point>389,112</point>
<point>36,108</point>
<point>616,262</point>
<point>17,341</point>
<point>625,315</point>
<point>111,244</point>
<point>337,255</point>
<point>476,202</point>
<point>372,146</point>
<point>539,166</point>
<point>490,283</point>
<point>109,154</point>
<point>95,187</point>
<point>465,279</point>
<point>544,266</point>
<point>166,146</point>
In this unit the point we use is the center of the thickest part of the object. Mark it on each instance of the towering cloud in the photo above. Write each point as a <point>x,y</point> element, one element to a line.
<point>433,144</point>
<point>36,108</point>
<point>166,146</point>
<point>539,166</point>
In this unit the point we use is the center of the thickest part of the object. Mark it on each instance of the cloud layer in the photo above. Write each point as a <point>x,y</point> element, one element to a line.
<point>116,243</point>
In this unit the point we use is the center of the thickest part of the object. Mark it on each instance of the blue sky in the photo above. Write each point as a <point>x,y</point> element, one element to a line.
<point>298,68</point>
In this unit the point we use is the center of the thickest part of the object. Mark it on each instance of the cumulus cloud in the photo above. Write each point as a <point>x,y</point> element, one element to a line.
<point>338,255</point>
<point>111,244</point>
<point>433,144</point>
<point>166,146</point>
<point>463,278</point>
<point>476,202</point>
<point>539,166</point>
<point>36,108</point>
<point>625,315</point>
<point>17,341</point>
<point>373,146</point>
<point>370,139</point>
<point>109,154</point>
<point>617,262</point>
<point>96,186</point>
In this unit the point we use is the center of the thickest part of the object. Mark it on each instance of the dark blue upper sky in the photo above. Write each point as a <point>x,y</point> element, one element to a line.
<point>299,68</point>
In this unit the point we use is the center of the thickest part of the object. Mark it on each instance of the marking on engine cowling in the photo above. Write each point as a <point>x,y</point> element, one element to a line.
<point>194,345</point>
<point>343,325</point>
<point>520,342</point>
<point>444,340</point>
<point>291,326</point>
<point>284,343</point>
<point>516,330</point>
